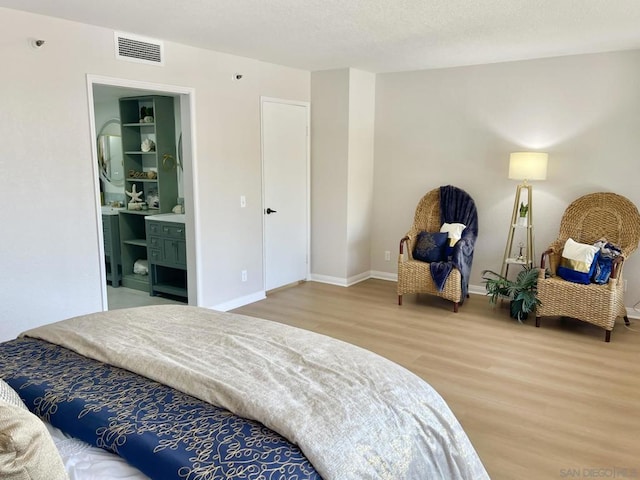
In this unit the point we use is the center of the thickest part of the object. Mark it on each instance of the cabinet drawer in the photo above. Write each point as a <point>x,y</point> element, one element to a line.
<point>153,228</point>
<point>166,229</point>
<point>154,242</point>
<point>173,230</point>
<point>155,255</point>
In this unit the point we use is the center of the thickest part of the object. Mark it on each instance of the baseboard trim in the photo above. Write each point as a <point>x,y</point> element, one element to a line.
<point>240,302</point>
<point>632,313</point>
<point>391,277</point>
<point>339,281</point>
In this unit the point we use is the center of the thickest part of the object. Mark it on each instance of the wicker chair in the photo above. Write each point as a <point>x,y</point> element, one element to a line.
<point>587,220</point>
<point>414,276</point>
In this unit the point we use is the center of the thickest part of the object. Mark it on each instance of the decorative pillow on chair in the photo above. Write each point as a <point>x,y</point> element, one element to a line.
<point>454,233</point>
<point>27,450</point>
<point>430,247</point>
<point>578,262</point>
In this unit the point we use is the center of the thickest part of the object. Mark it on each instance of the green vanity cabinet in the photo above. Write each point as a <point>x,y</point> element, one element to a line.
<point>111,235</point>
<point>167,255</point>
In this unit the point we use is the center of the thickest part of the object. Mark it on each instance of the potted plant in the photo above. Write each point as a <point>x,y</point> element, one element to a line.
<point>521,292</point>
<point>522,219</point>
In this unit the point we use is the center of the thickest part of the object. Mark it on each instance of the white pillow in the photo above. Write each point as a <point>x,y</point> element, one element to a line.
<point>578,256</point>
<point>454,231</point>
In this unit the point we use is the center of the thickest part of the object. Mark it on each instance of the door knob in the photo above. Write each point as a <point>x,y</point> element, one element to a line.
<point>270,211</point>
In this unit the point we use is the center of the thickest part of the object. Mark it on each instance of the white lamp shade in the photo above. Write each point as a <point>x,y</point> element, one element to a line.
<point>528,165</point>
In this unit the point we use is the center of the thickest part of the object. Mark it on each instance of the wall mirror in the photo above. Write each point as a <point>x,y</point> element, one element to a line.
<point>110,161</point>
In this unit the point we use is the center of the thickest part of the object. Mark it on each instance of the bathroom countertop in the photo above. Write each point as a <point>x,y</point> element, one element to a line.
<point>109,210</point>
<point>167,217</point>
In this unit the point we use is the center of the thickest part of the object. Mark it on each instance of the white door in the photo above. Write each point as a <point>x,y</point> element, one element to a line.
<point>285,169</point>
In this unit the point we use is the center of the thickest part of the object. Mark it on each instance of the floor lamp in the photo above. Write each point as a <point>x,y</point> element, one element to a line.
<point>523,166</point>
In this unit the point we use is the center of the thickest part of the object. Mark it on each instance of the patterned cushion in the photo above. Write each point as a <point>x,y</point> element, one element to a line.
<point>430,246</point>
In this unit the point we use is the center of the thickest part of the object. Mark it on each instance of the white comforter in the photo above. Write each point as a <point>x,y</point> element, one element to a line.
<point>354,414</point>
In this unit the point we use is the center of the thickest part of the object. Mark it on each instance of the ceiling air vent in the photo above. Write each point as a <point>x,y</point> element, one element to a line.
<point>139,49</point>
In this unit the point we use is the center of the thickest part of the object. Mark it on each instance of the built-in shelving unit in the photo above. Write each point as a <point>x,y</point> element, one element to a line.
<point>149,146</point>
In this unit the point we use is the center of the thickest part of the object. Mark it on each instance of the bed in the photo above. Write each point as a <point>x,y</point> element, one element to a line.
<point>190,393</point>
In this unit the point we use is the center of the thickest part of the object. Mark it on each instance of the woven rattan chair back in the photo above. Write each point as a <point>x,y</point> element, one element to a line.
<point>602,215</point>
<point>427,216</point>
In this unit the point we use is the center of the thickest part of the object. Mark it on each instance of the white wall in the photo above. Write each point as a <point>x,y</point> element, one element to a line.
<point>362,88</point>
<point>49,253</point>
<point>329,169</point>
<point>458,126</point>
<point>342,130</point>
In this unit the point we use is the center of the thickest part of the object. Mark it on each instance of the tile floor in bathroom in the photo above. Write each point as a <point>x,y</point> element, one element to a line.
<point>123,297</point>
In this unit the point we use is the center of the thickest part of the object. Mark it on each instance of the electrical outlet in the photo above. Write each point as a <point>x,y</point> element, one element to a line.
<point>624,288</point>
<point>243,201</point>
<point>244,275</point>
<point>387,255</point>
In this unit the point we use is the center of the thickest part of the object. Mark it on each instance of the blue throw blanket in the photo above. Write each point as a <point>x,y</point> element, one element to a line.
<point>456,206</point>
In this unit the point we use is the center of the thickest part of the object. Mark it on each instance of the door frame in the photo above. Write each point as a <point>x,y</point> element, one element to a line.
<point>189,162</point>
<point>306,105</point>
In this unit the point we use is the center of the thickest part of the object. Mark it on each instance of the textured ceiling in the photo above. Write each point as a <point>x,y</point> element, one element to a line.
<point>372,35</point>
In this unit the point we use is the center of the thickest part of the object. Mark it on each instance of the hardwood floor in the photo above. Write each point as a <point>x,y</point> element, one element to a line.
<point>537,403</point>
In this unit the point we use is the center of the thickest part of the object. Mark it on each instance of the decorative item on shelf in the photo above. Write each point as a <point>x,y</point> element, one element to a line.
<point>178,209</point>
<point>148,145</point>
<point>521,292</point>
<point>141,266</point>
<point>153,200</point>
<point>135,197</point>
<point>520,256</point>
<point>146,115</point>
<point>134,174</point>
<point>522,219</point>
<point>152,173</point>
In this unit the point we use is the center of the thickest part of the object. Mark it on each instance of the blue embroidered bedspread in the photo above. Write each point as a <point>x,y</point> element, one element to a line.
<point>161,431</point>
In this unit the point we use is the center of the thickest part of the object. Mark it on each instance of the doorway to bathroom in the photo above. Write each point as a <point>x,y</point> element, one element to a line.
<point>112,180</point>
